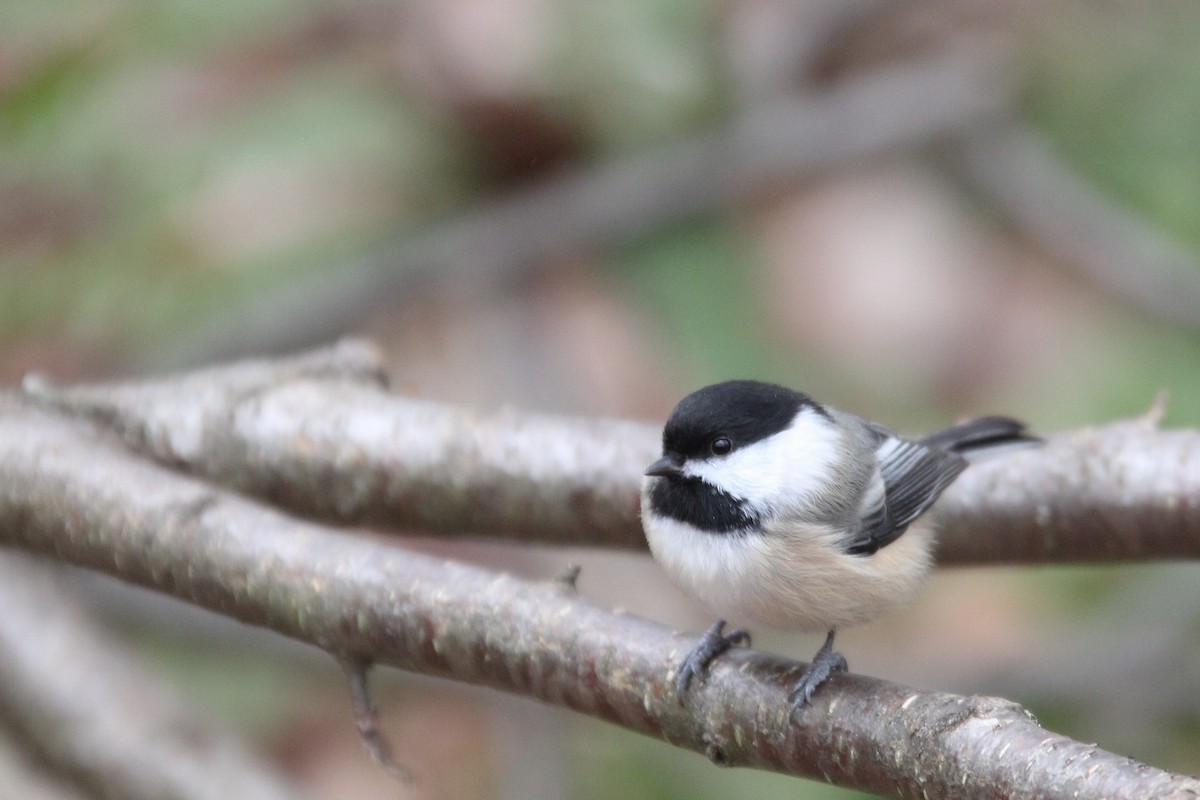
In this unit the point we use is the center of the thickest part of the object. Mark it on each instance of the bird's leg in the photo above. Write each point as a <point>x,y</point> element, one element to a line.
<point>824,663</point>
<point>710,645</point>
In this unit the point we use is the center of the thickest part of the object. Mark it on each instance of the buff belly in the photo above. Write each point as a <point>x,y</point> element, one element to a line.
<point>793,578</point>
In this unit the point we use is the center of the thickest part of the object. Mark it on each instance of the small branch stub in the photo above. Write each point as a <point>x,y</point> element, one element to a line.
<point>366,719</point>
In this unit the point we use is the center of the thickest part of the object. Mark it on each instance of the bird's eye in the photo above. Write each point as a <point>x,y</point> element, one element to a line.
<point>721,446</point>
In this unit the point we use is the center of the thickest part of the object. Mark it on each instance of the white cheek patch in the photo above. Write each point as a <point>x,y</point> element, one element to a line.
<point>797,461</point>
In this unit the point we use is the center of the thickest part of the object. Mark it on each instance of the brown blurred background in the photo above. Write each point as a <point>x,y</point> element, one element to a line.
<point>915,211</point>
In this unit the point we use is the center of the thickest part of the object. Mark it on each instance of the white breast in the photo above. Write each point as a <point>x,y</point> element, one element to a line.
<point>792,579</point>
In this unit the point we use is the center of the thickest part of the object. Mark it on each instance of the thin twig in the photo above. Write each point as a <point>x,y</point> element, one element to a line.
<point>366,719</point>
<point>569,577</point>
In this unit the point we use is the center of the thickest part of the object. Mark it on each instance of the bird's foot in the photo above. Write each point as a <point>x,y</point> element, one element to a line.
<point>824,663</point>
<point>710,645</point>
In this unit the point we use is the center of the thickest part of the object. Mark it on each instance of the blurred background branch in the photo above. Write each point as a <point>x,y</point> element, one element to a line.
<point>78,702</point>
<point>20,776</point>
<point>786,139</point>
<point>1013,171</point>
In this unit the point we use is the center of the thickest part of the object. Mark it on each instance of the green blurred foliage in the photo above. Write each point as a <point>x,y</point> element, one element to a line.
<point>1116,87</point>
<point>1119,92</point>
<point>632,72</point>
<point>697,283</point>
<point>162,132</point>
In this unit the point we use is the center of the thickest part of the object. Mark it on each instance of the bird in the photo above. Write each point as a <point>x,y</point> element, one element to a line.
<point>777,511</point>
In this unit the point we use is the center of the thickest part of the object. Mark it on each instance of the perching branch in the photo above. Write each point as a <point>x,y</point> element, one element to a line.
<point>333,444</point>
<point>67,491</point>
<point>92,714</point>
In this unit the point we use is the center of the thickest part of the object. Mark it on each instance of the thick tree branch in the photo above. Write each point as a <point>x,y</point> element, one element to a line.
<point>334,445</point>
<point>65,492</point>
<point>94,715</point>
<point>346,450</point>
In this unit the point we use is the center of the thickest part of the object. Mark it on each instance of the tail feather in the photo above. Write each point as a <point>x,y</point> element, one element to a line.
<point>977,434</point>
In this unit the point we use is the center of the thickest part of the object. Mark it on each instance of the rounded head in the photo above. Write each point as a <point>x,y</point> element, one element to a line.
<point>737,453</point>
<point>719,419</point>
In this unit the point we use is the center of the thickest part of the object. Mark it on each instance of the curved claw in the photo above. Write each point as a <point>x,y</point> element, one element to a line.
<point>824,663</point>
<point>710,645</point>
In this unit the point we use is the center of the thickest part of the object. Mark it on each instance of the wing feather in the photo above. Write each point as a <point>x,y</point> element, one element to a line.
<point>913,476</point>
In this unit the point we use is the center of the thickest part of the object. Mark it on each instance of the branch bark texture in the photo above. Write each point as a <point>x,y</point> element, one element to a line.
<point>331,443</point>
<point>67,492</point>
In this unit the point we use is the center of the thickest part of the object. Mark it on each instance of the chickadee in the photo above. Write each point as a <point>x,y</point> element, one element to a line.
<point>773,509</point>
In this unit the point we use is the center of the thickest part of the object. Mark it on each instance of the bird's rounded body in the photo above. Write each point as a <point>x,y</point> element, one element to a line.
<point>794,579</point>
<point>806,486</point>
<point>774,510</point>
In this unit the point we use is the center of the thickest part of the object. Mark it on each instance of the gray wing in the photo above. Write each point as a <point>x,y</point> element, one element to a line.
<point>908,478</point>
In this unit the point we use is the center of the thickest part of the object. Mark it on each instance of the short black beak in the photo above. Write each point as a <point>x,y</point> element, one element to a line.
<point>668,465</point>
